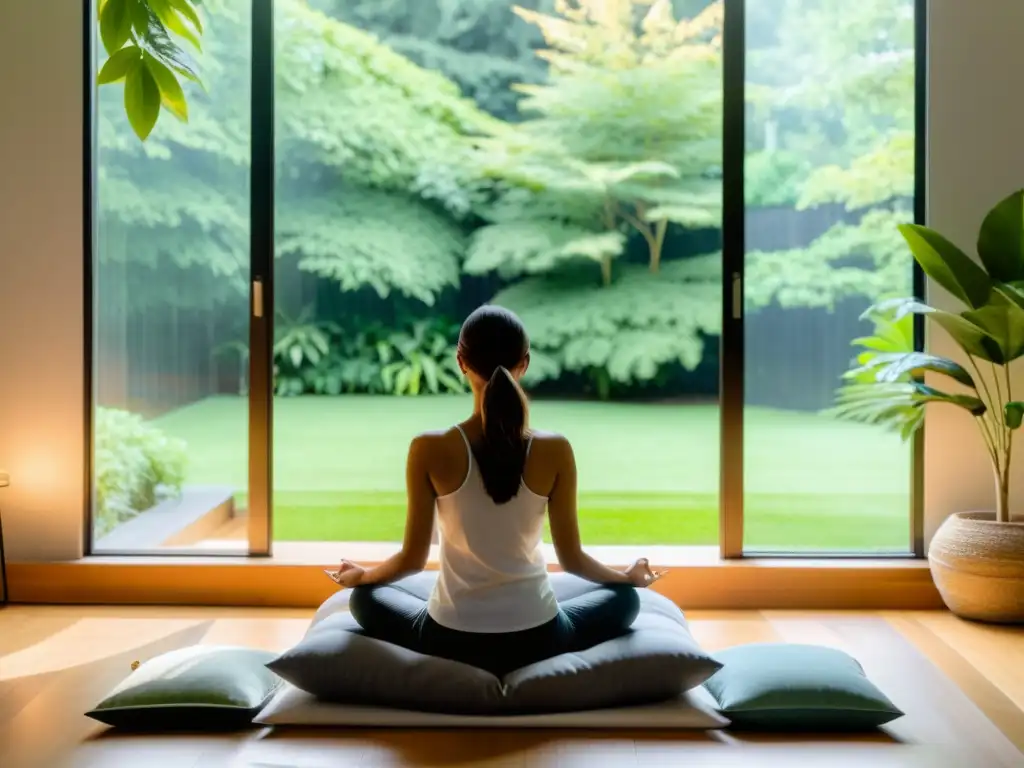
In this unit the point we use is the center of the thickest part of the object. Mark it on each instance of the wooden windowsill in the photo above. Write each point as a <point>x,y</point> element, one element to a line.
<point>293,577</point>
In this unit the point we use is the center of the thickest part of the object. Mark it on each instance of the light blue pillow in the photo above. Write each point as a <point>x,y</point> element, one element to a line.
<point>783,687</point>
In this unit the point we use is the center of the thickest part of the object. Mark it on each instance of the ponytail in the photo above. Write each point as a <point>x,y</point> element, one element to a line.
<point>502,455</point>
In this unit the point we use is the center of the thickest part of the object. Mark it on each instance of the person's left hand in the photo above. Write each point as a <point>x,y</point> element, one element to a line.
<point>349,574</point>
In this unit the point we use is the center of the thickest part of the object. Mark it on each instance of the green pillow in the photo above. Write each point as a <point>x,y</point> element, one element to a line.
<point>200,688</point>
<point>776,687</point>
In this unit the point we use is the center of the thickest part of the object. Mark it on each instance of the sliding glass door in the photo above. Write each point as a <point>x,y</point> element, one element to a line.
<point>829,174</point>
<point>171,310</point>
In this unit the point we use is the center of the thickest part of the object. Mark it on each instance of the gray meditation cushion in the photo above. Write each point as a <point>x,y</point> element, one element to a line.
<point>656,660</point>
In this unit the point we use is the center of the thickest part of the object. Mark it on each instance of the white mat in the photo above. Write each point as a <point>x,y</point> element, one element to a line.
<point>290,706</point>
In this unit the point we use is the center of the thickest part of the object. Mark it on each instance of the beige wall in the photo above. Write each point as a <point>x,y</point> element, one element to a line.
<point>41,397</point>
<point>975,156</point>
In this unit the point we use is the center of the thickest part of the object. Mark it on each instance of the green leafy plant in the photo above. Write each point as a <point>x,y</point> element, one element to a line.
<point>353,365</point>
<point>419,361</point>
<point>300,344</point>
<point>136,465</point>
<point>887,388</point>
<point>141,40</point>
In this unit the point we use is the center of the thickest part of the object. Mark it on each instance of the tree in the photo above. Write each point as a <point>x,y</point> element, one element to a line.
<point>373,154</point>
<point>476,44</point>
<point>621,143</point>
<point>833,83</point>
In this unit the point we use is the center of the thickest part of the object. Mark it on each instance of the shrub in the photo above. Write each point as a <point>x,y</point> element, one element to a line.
<point>136,465</point>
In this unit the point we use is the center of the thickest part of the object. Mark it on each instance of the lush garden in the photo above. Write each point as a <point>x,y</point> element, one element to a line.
<point>559,158</point>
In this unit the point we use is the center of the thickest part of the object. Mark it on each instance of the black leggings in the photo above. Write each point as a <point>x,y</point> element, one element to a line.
<point>390,613</point>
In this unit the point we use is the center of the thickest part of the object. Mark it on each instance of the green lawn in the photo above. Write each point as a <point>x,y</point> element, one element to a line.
<point>648,473</point>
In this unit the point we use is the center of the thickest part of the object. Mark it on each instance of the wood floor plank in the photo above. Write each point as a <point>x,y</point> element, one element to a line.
<point>984,691</point>
<point>715,630</point>
<point>997,652</point>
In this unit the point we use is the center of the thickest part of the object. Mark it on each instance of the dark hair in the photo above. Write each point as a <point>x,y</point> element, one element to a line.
<point>492,343</point>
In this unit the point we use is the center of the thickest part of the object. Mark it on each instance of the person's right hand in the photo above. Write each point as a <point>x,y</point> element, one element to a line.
<point>641,575</point>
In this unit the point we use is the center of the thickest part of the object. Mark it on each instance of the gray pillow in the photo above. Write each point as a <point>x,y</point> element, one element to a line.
<point>336,662</point>
<point>778,686</point>
<point>198,688</point>
<point>656,660</point>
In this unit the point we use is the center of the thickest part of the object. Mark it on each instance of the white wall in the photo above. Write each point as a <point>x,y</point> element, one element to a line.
<point>975,158</point>
<point>41,357</point>
<point>976,155</point>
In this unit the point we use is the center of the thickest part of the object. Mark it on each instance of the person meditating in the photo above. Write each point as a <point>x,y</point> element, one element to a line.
<point>490,480</point>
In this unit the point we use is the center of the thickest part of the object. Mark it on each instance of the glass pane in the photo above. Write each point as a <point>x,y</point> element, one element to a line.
<point>437,155</point>
<point>829,176</point>
<point>171,309</point>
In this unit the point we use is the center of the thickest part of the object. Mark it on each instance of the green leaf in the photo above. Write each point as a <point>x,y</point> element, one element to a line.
<point>1013,414</point>
<point>947,265</point>
<point>115,24</point>
<point>141,18</point>
<point>891,367</point>
<point>141,99</point>
<point>1003,320</point>
<point>158,43</point>
<point>171,95</point>
<point>1001,240</point>
<point>430,374</point>
<point>973,339</point>
<point>186,9</point>
<point>926,394</point>
<point>116,67</point>
<point>173,22</point>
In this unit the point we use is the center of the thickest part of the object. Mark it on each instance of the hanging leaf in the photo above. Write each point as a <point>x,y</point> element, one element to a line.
<point>925,394</point>
<point>171,95</point>
<point>116,67</point>
<point>115,24</point>
<point>1001,240</point>
<point>1002,320</point>
<point>141,99</point>
<point>186,9</point>
<point>172,21</point>
<point>891,367</point>
<point>973,339</point>
<point>1013,414</point>
<point>947,265</point>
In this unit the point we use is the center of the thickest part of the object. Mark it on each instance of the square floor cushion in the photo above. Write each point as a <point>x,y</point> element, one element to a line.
<point>785,687</point>
<point>199,688</point>
<point>656,660</point>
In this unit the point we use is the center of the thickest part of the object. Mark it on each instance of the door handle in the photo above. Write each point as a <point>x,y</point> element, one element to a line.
<point>257,297</point>
<point>737,296</point>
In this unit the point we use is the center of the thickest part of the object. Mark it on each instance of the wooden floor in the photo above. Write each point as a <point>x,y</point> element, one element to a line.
<point>961,684</point>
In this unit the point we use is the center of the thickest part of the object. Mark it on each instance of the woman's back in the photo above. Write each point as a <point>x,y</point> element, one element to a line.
<point>493,574</point>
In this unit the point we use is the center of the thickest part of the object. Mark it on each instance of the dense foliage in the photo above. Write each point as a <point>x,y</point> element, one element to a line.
<point>567,152</point>
<point>136,465</point>
<point>831,88</point>
<point>370,151</point>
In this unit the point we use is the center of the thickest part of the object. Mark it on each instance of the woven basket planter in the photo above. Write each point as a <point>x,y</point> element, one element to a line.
<point>978,566</point>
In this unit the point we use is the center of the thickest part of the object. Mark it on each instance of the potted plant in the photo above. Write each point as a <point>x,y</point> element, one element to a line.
<point>976,558</point>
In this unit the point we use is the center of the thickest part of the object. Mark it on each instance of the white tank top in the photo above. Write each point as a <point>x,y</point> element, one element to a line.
<point>493,576</point>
